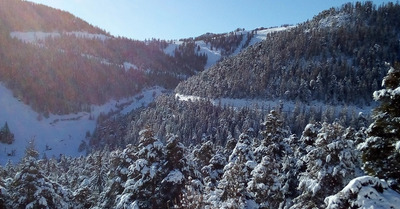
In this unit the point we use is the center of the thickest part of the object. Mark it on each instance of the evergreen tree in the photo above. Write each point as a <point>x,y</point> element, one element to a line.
<point>5,135</point>
<point>267,180</point>
<point>118,174</point>
<point>31,189</point>
<point>329,162</point>
<point>233,185</point>
<point>145,174</point>
<point>265,184</point>
<point>176,169</point>
<point>92,178</point>
<point>3,193</point>
<point>273,134</point>
<point>381,150</point>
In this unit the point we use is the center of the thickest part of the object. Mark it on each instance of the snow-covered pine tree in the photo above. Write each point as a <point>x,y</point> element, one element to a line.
<point>176,170</point>
<point>5,134</point>
<point>92,178</point>
<point>204,153</point>
<point>3,193</point>
<point>265,185</point>
<point>193,196</point>
<point>211,174</point>
<point>267,180</point>
<point>117,174</point>
<point>9,169</point>
<point>273,136</point>
<point>31,189</point>
<point>233,185</point>
<point>214,171</point>
<point>381,150</point>
<point>75,173</point>
<point>144,175</point>
<point>330,162</point>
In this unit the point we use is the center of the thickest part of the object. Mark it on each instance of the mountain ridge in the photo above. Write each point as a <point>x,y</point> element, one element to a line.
<point>80,71</point>
<point>299,64</point>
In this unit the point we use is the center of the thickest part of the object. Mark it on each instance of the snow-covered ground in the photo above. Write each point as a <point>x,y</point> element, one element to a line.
<point>214,55</point>
<point>334,21</point>
<point>261,35</point>
<point>365,192</point>
<point>58,134</point>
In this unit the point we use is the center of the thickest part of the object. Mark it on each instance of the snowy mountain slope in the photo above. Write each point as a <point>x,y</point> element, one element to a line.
<point>36,37</point>
<point>56,134</point>
<point>215,54</point>
<point>259,36</point>
<point>323,59</point>
<point>45,48</point>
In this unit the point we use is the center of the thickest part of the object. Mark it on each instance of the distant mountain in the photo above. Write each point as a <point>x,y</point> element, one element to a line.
<point>57,63</point>
<point>338,57</point>
<point>219,46</point>
<point>324,70</point>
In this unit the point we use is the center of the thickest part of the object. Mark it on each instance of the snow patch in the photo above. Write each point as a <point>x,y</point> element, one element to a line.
<point>86,35</point>
<point>365,192</point>
<point>170,49</point>
<point>398,146</point>
<point>128,66</point>
<point>261,35</point>
<point>174,176</point>
<point>36,36</point>
<point>333,21</point>
<point>187,98</point>
<point>33,37</point>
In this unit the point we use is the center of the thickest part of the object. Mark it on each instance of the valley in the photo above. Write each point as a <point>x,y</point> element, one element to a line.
<point>293,116</point>
<point>58,134</point>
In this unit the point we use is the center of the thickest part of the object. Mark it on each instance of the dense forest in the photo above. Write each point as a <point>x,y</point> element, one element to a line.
<point>196,121</point>
<point>338,54</point>
<point>326,82</point>
<point>277,170</point>
<point>317,153</point>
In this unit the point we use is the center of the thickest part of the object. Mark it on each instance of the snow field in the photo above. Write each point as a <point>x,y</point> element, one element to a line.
<point>58,134</point>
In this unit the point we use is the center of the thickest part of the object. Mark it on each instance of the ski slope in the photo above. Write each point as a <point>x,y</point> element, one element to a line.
<point>58,134</point>
<point>214,55</point>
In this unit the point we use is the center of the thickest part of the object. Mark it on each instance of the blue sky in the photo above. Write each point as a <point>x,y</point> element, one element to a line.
<point>174,19</point>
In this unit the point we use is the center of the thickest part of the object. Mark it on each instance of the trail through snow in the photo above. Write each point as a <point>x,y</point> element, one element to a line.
<point>287,106</point>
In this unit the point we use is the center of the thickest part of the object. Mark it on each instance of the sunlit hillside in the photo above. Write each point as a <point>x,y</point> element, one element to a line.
<point>57,63</point>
